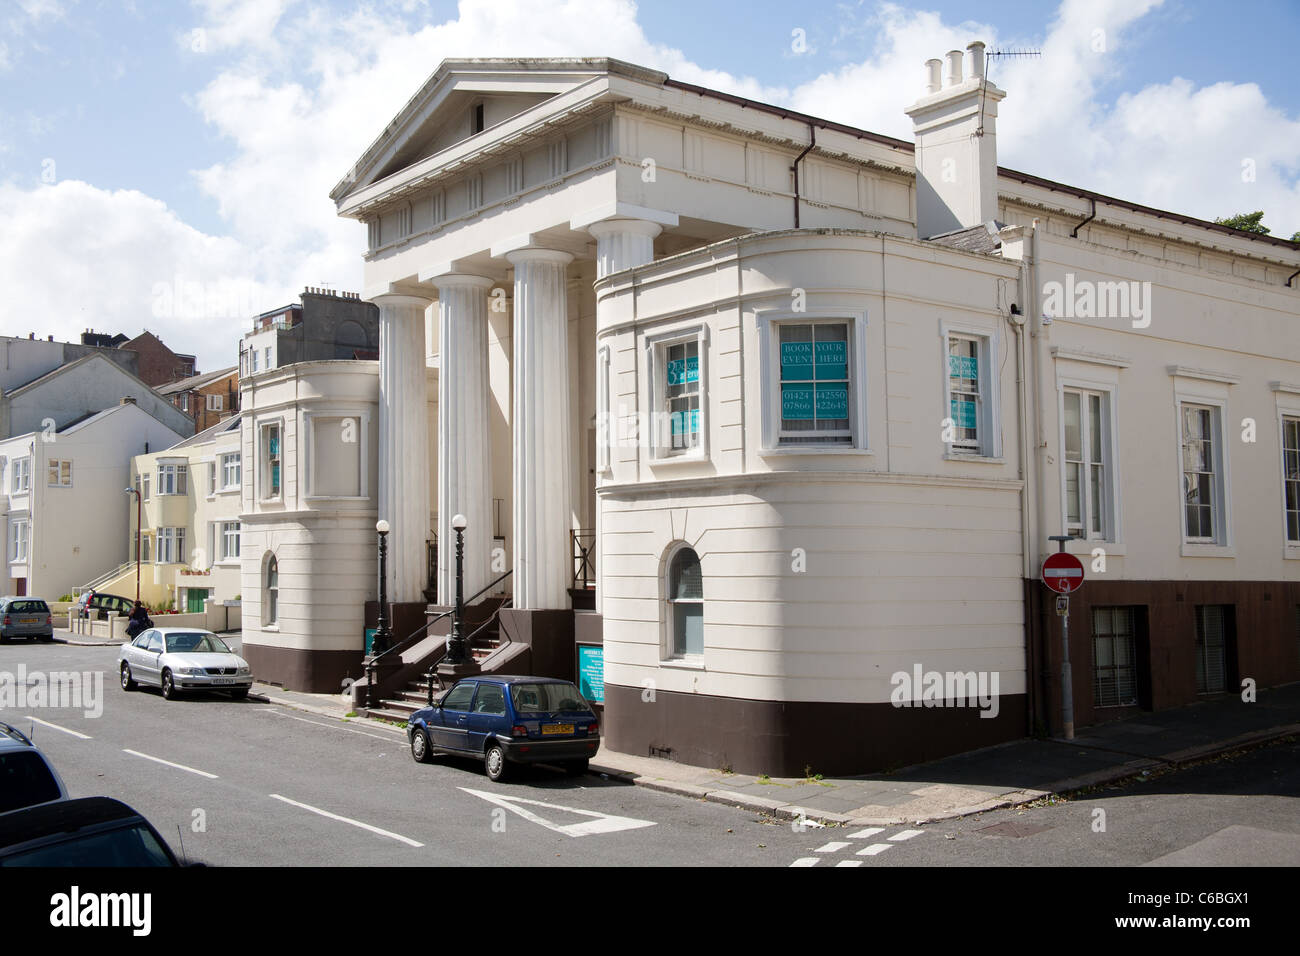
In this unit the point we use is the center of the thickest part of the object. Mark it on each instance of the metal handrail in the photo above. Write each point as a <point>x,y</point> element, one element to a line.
<point>469,641</point>
<point>411,639</point>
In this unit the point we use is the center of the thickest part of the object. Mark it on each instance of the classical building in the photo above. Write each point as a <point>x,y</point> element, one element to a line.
<point>819,397</point>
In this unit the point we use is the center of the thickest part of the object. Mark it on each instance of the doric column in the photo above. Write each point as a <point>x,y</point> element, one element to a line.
<point>623,244</point>
<point>404,442</point>
<point>464,440</point>
<point>542,470</point>
<point>620,244</point>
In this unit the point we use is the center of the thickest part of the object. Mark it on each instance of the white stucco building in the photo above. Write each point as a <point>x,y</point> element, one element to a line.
<point>819,396</point>
<point>61,494</point>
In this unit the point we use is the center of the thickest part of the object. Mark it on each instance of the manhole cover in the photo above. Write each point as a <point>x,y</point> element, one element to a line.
<point>1012,829</point>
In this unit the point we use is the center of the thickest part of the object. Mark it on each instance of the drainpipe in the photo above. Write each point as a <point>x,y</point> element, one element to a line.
<point>812,141</point>
<point>1018,327</point>
<point>1074,233</point>
<point>1040,336</point>
<point>1293,275</point>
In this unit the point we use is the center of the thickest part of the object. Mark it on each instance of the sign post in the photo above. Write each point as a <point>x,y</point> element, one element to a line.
<point>1063,573</point>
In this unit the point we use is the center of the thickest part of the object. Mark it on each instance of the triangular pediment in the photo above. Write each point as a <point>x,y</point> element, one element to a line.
<point>446,110</point>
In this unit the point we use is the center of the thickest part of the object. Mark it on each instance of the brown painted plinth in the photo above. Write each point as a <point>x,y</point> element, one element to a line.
<point>293,668</point>
<point>787,738</point>
<point>454,672</point>
<point>549,635</point>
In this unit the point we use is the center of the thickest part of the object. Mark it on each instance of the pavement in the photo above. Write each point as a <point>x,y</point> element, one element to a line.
<point>1006,775</point>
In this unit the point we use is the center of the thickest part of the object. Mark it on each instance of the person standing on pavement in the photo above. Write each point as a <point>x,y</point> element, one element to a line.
<point>138,621</point>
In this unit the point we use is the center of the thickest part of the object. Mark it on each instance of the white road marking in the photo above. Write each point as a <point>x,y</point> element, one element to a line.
<point>849,863</point>
<point>356,823</point>
<point>805,861</point>
<point>600,822</point>
<point>831,847</point>
<point>46,723</point>
<point>874,849</point>
<point>906,835</point>
<point>317,723</point>
<point>178,766</point>
<point>863,834</point>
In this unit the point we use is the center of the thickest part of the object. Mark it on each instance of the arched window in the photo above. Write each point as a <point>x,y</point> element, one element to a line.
<point>685,604</point>
<point>271,604</point>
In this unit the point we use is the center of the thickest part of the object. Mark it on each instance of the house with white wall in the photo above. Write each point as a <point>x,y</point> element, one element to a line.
<point>820,396</point>
<point>62,498</point>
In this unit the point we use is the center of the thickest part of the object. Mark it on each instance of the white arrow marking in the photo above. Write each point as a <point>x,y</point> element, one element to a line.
<point>600,822</point>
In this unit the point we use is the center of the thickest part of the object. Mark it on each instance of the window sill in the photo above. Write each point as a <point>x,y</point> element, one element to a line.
<point>1191,549</point>
<point>781,450</point>
<point>683,663</point>
<point>227,563</point>
<point>981,459</point>
<point>336,498</point>
<point>232,490</point>
<point>671,460</point>
<point>1291,552</point>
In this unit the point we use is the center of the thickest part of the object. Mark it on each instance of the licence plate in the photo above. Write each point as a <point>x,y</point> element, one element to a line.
<point>28,620</point>
<point>548,729</point>
<point>223,680</point>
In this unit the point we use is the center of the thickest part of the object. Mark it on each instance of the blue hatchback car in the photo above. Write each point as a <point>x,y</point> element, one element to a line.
<point>508,720</point>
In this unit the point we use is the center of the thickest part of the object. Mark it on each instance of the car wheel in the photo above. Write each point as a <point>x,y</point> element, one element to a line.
<point>494,761</point>
<point>128,682</point>
<point>168,686</point>
<point>421,749</point>
<point>576,768</point>
<point>239,694</point>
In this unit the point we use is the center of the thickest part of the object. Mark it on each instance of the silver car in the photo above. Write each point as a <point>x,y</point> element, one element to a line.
<point>27,778</point>
<point>178,659</point>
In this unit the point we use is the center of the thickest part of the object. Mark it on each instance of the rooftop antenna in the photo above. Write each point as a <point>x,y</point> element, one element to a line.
<point>988,69</point>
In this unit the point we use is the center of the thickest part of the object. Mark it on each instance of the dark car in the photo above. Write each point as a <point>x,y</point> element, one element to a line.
<point>27,777</point>
<point>99,604</point>
<point>507,720</point>
<point>92,831</point>
<point>25,617</point>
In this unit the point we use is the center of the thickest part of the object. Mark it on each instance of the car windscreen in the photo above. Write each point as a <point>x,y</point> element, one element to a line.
<point>25,781</point>
<point>547,698</point>
<point>196,643</point>
<point>125,846</point>
<point>29,607</point>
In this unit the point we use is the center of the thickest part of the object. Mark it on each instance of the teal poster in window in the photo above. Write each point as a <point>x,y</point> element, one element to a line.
<point>680,420</point>
<point>963,414</point>
<point>797,402</point>
<point>683,371</point>
<point>832,401</point>
<point>796,360</point>
<point>963,366</point>
<point>591,672</point>
<point>832,361</point>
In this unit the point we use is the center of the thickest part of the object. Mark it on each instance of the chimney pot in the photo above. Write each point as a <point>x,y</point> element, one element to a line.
<point>933,75</point>
<point>49,338</point>
<point>954,67</point>
<point>976,51</point>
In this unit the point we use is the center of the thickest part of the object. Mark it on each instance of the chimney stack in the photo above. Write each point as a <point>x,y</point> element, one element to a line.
<point>955,127</point>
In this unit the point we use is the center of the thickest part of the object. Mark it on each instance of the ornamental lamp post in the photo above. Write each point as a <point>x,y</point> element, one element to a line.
<point>456,650</point>
<point>382,635</point>
<point>132,491</point>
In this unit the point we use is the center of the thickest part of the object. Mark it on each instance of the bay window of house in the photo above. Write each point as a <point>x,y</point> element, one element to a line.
<point>173,479</point>
<point>229,541</point>
<point>230,472</point>
<point>21,481</point>
<point>1089,494</point>
<point>1202,465</point>
<point>271,436</point>
<point>60,473</point>
<point>144,485</point>
<point>171,546</point>
<point>1291,478</point>
<point>678,395</point>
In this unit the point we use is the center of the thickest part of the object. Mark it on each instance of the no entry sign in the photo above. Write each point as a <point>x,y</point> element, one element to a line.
<point>1063,573</point>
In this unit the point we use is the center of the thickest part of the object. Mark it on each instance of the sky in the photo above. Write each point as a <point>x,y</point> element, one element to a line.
<point>167,165</point>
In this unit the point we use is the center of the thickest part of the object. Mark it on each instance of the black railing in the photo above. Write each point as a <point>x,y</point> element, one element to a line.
<point>417,635</point>
<point>469,641</point>
<point>583,549</point>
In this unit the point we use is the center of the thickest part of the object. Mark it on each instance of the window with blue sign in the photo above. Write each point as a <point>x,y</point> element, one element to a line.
<point>679,430</point>
<point>815,383</point>
<point>271,438</point>
<point>965,395</point>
